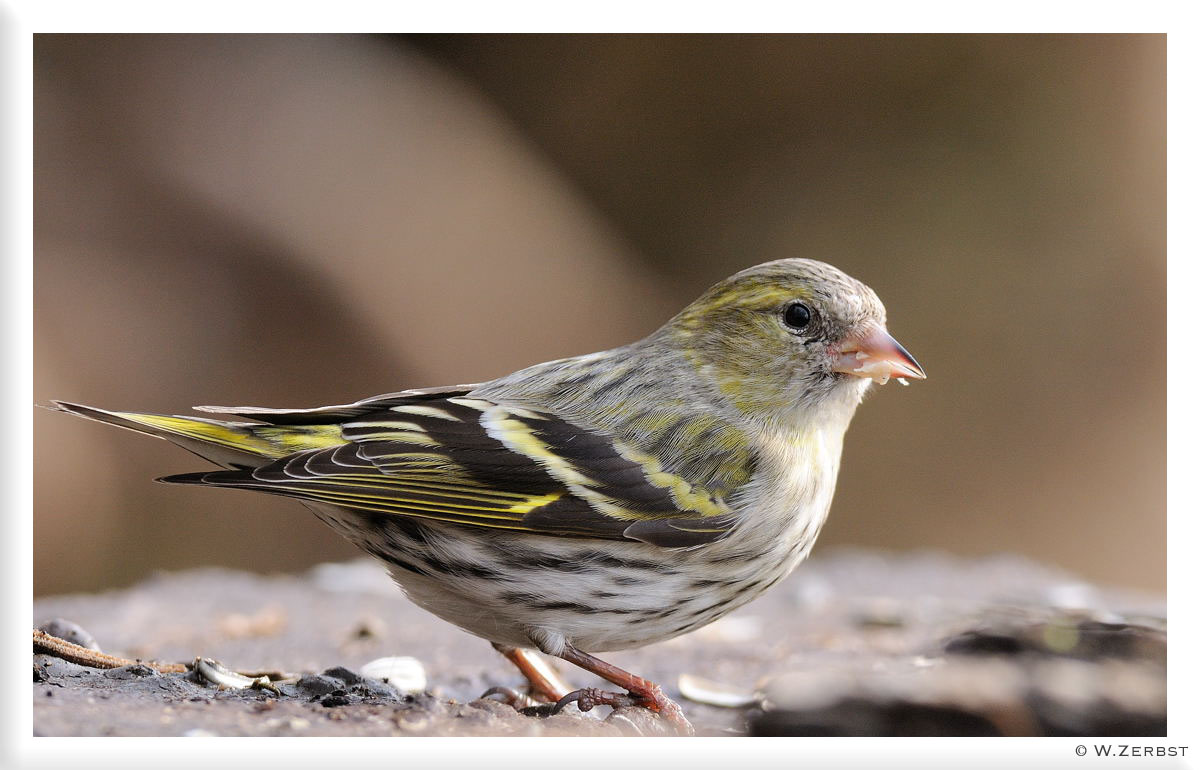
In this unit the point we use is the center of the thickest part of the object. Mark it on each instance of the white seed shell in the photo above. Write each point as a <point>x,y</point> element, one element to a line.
<point>706,691</point>
<point>404,675</point>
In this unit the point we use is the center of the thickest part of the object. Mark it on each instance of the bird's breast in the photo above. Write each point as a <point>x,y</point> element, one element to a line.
<point>789,498</point>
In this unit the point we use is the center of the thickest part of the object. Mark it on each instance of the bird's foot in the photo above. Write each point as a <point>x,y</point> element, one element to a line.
<point>589,698</point>
<point>644,692</point>
<point>515,698</point>
<point>652,698</point>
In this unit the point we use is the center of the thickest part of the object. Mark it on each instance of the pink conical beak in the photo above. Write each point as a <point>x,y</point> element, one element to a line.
<point>877,356</point>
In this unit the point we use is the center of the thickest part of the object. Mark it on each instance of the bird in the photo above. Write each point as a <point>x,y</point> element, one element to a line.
<point>594,503</point>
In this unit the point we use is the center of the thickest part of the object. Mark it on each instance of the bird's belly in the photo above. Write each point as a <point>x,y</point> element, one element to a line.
<point>609,607</point>
<point>596,594</point>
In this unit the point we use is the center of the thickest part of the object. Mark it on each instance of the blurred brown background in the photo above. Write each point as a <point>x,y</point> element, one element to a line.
<point>301,220</point>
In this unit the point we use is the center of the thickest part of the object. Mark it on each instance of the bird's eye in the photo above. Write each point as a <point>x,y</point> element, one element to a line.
<point>797,316</point>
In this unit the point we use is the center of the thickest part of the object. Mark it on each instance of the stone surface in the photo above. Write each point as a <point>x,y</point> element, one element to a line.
<point>854,643</point>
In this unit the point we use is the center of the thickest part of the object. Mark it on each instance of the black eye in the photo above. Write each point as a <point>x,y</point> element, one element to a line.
<point>797,315</point>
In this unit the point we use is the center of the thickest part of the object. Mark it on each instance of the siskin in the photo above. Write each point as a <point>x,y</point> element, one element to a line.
<point>594,503</point>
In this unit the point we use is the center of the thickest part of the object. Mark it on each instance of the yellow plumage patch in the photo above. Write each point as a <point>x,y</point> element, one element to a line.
<point>266,440</point>
<point>297,438</point>
<point>688,497</point>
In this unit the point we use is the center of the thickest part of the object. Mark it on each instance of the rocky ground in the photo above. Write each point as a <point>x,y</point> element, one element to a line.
<point>854,643</point>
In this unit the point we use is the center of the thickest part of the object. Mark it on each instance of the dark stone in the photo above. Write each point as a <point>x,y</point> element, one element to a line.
<point>341,681</point>
<point>984,643</point>
<point>1067,637</point>
<point>318,685</point>
<point>856,717</point>
<point>336,698</point>
<point>344,674</point>
<point>135,671</point>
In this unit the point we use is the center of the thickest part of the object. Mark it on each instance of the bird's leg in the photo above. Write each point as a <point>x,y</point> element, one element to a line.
<point>641,691</point>
<point>544,681</point>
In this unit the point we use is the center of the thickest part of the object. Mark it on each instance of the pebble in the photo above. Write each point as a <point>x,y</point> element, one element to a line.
<point>71,632</point>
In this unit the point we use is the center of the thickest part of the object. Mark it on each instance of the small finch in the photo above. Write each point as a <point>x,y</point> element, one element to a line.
<point>594,503</point>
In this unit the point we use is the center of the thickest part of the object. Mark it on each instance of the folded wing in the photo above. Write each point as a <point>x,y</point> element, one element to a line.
<point>444,456</point>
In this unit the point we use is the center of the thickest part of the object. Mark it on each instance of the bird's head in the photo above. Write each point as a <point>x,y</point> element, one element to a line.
<point>790,335</point>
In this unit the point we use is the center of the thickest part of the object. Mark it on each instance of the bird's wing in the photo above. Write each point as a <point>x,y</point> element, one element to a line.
<point>327,415</point>
<point>474,462</point>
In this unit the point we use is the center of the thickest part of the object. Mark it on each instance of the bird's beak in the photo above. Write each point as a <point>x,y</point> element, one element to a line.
<point>875,355</point>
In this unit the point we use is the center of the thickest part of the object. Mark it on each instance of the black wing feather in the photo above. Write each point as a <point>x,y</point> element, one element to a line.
<point>429,455</point>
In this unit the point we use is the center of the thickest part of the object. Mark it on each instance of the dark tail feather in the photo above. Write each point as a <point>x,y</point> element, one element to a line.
<point>208,478</point>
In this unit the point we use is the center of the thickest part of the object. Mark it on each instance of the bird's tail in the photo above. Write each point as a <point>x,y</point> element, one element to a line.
<point>235,445</point>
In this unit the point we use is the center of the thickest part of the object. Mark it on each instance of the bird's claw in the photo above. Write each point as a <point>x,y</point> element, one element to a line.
<point>590,697</point>
<point>670,711</point>
<point>518,700</point>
